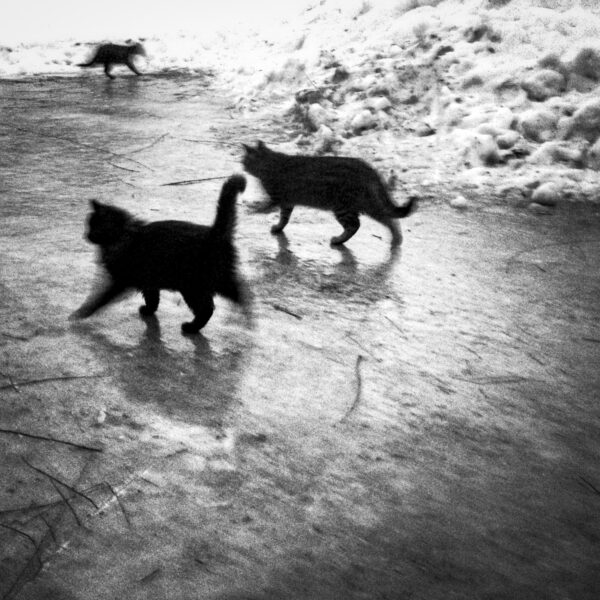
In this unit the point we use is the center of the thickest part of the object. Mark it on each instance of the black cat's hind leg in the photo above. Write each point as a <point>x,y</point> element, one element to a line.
<point>284,216</point>
<point>152,298</point>
<point>132,67</point>
<point>203,306</point>
<point>107,68</point>
<point>350,222</point>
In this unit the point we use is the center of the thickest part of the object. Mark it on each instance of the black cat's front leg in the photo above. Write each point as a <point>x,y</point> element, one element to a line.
<point>89,307</point>
<point>203,306</point>
<point>152,298</point>
<point>284,216</point>
<point>350,222</point>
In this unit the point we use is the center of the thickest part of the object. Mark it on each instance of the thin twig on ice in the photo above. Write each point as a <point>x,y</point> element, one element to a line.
<point>47,379</point>
<point>283,309</point>
<point>50,439</point>
<point>357,396</point>
<point>56,480</point>
<point>192,181</point>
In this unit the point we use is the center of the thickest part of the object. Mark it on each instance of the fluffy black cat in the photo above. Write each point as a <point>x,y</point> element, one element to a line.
<point>196,260</point>
<point>115,54</point>
<point>347,186</point>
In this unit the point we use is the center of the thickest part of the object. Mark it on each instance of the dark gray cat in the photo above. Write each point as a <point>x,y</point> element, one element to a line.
<point>346,186</point>
<point>115,54</point>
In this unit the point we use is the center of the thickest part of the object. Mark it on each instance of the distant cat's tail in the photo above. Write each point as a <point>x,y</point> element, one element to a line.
<point>225,219</point>
<point>87,64</point>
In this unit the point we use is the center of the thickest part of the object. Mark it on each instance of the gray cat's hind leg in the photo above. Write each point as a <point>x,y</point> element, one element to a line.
<point>350,222</point>
<point>284,216</point>
<point>394,228</point>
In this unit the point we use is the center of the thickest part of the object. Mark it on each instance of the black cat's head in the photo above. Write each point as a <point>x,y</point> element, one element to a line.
<point>106,224</point>
<point>254,159</point>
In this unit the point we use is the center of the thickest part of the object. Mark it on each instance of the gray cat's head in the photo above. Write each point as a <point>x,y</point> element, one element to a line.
<point>137,48</point>
<point>254,158</point>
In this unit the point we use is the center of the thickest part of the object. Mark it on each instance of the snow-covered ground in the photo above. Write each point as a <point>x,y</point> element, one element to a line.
<point>262,36</point>
<point>496,82</point>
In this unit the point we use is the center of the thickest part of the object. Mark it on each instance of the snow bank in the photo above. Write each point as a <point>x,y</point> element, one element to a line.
<point>497,82</point>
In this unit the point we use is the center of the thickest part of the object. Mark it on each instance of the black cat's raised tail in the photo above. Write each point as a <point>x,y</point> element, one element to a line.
<point>227,281</point>
<point>225,219</point>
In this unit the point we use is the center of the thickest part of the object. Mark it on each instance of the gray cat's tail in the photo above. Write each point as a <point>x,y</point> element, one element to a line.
<point>381,191</point>
<point>226,214</point>
<point>399,212</point>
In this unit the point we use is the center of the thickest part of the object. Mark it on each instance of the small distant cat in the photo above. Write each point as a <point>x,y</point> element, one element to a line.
<point>347,186</point>
<point>196,260</point>
<point>115,54</point>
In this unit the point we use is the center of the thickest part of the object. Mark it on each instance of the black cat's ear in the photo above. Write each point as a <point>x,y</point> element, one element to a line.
<point>97,206</point>
<point>260,145</point>
<point>247,149</point>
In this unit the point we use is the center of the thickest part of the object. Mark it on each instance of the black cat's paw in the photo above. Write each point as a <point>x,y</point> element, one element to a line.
<point>146,311</point>
<point>189,328</point>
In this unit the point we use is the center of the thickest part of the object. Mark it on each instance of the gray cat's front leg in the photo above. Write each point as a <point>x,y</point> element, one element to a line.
<point>284,217</point>
<point>152,298</point>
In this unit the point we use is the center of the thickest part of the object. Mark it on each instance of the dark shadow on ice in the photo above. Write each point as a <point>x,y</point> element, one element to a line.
<point>348,259</point>
<point>288,275</point>
<point>128,87</point>
<point>200,386</point>
<point>284,255</point>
